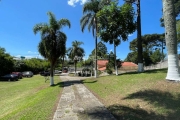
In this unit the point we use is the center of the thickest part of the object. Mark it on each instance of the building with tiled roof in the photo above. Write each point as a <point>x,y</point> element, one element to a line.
<point>102,64</point>
<point>128,66</point>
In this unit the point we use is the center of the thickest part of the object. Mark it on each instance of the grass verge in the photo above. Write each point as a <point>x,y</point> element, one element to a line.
<point>29,99</point>
<point>143,96</point>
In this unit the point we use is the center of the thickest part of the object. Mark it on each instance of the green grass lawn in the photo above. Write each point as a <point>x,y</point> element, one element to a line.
<point>29,99</point>
<point>143,96</point>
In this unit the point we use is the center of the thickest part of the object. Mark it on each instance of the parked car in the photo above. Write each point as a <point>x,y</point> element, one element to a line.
<point>19,74</point>
<point>65,70</point>
<point>57,72</point>
<point>9,77</point>
<point>45,73</point>
<point>27,74</point>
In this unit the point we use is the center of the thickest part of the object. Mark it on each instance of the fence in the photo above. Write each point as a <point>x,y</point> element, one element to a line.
<point>157,66</point>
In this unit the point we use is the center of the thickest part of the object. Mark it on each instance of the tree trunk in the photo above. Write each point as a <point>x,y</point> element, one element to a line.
<point>75,66</point>
<point>95,72</point>
<point>139,40</point>
<point>171,40</point>
<point>115,64</point>
<point>52,74</point>
<point>62,63</point>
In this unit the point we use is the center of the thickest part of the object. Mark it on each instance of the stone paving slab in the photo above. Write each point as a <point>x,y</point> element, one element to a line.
<point>78,103</point>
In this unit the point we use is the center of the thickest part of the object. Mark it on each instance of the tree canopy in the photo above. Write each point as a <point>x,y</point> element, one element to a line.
<point>6,62</point>
<point>101,50</point>
<point>152,44</point>
<point>116,23</point>
<point>53,40</point>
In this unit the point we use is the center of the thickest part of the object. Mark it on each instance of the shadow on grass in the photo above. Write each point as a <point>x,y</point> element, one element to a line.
<point>128,73</point>
<point>163,100</point>
<point>126,113</point>
<point>85,81</point>
<point>164,70</point>
<point>72,82</point>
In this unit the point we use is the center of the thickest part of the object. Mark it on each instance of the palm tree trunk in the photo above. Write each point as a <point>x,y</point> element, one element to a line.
<point>140,51</point>
<point>95,72</point>
<point>171,40</point>
<point>62,63</point>
<point>75,67</point>
<point>52,74</point>
<point>115,64</point>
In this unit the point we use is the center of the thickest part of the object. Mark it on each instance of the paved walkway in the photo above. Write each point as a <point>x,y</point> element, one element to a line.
<point>78,103</point>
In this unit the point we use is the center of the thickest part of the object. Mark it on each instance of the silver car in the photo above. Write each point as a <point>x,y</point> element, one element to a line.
<point>27,74</point>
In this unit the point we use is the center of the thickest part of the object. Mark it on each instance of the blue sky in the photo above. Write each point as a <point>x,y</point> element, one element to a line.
<point>19,16</point>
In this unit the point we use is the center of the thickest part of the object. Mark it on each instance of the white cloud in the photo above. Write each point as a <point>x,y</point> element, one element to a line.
<point>110,50</point>
<point>18,56</point>
<point>30,52</point>
<point>73,2</point>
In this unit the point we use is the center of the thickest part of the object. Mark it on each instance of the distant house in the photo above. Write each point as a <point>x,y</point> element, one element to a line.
<point>102,64</point>
<point>128,66</point>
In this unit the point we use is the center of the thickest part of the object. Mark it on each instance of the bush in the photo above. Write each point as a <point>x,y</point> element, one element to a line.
<point>99,72</point>
<point>109,71</point>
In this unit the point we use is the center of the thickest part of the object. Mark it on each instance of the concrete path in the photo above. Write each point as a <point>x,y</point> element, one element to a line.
<point>78,103</point>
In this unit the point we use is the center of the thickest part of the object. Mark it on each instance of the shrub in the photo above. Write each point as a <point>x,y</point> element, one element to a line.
<point>109,71</point>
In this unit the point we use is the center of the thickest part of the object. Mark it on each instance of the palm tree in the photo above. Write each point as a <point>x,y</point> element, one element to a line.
<point>76,52</point>
<point>53,40</point>
<point>90,10</point>
<point>171,40</point>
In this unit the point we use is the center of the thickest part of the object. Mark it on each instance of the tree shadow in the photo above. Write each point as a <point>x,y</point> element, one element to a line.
<point>127,113</point>
<point>72,82</point>
<point>164,70</point>
<point>127,73</point>
<point>95,113</point>
<point>84,81</point>
<point>160,99</point>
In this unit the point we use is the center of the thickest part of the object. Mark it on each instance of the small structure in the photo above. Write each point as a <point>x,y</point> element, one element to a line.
<point>102,64</point>
<point>128,66</point>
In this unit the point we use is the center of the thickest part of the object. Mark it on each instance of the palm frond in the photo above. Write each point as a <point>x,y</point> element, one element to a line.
<point>39,27</point>
<point>53,24</point>
<point>103,3</point>
<point>89,7</point>
<point>61,36</point>
<point>77,43</point>
<point>41,49</point>
<point>85,20</point>
<point>61,44</point>
<point>64,22</point>
<point>91,24</point>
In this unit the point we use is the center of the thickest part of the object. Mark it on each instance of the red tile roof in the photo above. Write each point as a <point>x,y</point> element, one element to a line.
<point>130,64</point>
<point>102,64</point>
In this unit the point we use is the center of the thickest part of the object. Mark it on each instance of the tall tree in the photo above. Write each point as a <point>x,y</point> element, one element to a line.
<point>150,43</point>
<point>53,40</point>
<point>6,62</point>
<point>171,40</point>
<point>177,11</point>
<point>76,52</point>
<point>90,9</point>
<point>132,57</point>
<point>116,23</point>
<point>101,50</point>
